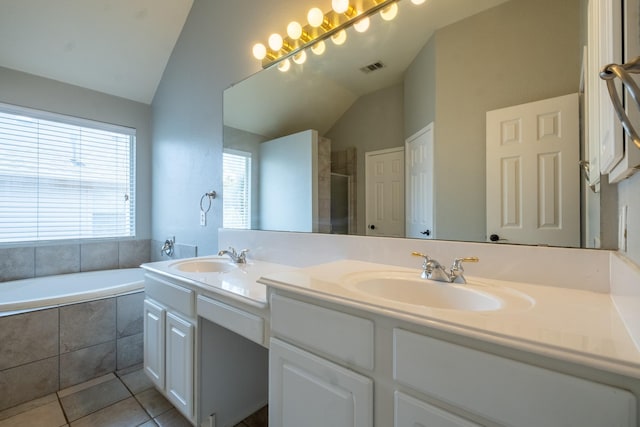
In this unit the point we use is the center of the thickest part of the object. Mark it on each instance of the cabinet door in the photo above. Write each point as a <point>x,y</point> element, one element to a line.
<point>154,319</point>
<point>179,373</point>
<point>410,412</point>
<point>305,390</point>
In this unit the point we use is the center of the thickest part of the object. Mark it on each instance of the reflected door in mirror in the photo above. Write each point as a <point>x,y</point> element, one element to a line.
<point>384,187</point>
<point>419,167</point>
<point>533,176</point>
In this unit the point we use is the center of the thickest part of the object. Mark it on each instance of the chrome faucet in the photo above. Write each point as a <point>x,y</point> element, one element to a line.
<point>167,247</point>
<point>433,270</point>
<point>238,258</point>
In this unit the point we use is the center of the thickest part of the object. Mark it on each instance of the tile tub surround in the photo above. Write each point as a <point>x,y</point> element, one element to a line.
<point>44,351</point>
<point>27,262</point>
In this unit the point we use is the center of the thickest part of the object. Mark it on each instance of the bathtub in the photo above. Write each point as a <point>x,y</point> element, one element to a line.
<point>58,331</point>
<point>51,291</point>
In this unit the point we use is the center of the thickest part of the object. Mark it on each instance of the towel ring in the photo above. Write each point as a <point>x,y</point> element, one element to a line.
<point>609,73</point>
<point>210,196</point>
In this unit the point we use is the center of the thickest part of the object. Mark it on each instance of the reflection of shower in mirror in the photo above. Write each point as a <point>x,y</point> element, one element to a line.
<point>340,203</point>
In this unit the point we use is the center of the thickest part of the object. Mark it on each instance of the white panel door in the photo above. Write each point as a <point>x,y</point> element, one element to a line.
<point>533,187</point>
<point>154,333</point>
<point>305,390</point>
<point>179,372</point>
<point>384,188</point>
<point>419,182</point>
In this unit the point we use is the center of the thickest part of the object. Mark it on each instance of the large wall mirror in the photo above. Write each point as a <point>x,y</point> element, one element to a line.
<point>445,86</point>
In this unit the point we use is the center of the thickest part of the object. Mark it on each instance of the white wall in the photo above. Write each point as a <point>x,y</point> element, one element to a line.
<point>212,53</point>
<point>289,183</point>
<point>30,91</point>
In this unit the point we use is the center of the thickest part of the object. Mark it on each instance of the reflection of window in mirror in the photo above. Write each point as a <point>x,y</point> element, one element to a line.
<point>236,185</point>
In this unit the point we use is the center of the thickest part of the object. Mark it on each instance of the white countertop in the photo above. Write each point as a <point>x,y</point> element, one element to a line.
<point>574,325</point>
<point>240,283</point>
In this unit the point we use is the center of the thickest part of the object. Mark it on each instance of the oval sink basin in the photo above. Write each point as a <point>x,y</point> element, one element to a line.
<point>204,266</point>
<point>407,289</point>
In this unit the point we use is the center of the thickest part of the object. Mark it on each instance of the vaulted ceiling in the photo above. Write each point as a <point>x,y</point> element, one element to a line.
<point>119,47</point>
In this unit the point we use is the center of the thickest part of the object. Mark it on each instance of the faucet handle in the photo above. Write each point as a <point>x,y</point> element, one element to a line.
<point>457,263</point>
<point>457,272</point>
<point>427,258</point>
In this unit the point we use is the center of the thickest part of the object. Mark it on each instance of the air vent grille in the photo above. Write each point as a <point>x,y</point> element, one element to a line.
<point>372,67</point>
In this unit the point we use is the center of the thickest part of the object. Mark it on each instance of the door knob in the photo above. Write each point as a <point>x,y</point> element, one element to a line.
<point>495,238</point>
<point>372,227</point>
<point>426,232</point>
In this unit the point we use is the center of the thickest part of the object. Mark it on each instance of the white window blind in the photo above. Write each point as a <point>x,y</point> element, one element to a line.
<point>64,178</point>
<point>236,205</point>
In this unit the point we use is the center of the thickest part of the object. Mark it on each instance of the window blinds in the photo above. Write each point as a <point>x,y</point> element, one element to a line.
<point>236,205</point>
<point>64,178</point>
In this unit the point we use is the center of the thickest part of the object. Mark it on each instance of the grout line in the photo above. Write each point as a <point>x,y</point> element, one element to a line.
<point>64,413</point>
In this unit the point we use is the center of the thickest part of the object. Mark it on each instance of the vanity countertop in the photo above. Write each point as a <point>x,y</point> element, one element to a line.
<point>567,324</point>
<point>240,283</point>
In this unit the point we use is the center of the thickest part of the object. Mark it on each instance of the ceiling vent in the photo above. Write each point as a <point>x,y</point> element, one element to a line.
<point>372,67</point>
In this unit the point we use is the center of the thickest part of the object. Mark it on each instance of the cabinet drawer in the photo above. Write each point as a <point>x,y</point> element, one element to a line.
<point>413,412</point>
<point>239,321</point>
<point>347,338</point>
<point>503,390</point>
<point>170,294</point>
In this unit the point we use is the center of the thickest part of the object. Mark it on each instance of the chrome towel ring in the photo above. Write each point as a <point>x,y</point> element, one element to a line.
<point>609,73</point>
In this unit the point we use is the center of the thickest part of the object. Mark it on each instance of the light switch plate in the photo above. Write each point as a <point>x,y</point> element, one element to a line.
<point>622,229</point>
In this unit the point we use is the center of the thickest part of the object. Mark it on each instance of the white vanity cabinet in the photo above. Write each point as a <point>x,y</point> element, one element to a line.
<point>306,389</point>
<point>322,370</point>
<point>169,341</point>
<point>502,390</point>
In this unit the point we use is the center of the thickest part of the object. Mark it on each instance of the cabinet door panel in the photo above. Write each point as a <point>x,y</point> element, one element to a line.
<point>305,390</point>
<point>410,412</point>
<point>506,391</point>
<point>179,373</point>
<point>154,333</point>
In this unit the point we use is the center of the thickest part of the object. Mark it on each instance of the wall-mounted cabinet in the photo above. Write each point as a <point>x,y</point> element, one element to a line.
<point>613,35</point>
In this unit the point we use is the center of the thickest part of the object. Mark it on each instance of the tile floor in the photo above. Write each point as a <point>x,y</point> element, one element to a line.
<point>125,399</point>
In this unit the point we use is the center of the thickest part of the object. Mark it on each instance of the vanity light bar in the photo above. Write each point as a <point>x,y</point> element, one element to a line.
<point>332,24</point>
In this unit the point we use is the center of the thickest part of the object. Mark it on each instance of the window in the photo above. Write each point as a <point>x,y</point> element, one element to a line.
<point>64,178</point>
<point>236,184</point>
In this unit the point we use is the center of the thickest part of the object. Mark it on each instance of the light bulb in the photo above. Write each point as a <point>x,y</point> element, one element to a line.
<point>275,41</point>
<point>340,37</point>
<point>259,51</point>
<point>294,30</point>
<point>362,25</point>
<point>315,17</point>
<point>389,12</point>
<point>300,57</point>
<point>418,2</point>
<point>318,48</point>
<point>340,6</point>
<point>284,66</point>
